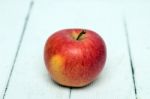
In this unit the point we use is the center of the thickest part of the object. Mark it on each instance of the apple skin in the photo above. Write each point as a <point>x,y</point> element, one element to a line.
<point>72,62</point>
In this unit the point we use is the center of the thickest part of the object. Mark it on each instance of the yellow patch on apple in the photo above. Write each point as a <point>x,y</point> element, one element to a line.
<point>56,62</point>
<point>56,68</point>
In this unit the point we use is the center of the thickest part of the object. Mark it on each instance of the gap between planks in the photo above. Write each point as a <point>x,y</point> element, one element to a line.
<point>130,55</point>
<point>70,92</point>
<point>19,45</point>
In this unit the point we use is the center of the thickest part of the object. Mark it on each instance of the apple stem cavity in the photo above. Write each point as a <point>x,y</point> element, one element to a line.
<point>81,33</point>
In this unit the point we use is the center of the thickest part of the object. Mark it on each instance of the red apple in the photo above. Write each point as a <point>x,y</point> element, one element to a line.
<point>74,57</point>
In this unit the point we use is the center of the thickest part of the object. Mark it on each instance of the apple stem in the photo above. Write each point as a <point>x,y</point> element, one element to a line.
<point>81,33</point>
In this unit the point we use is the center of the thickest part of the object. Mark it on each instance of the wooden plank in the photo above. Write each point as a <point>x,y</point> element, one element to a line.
<point>12,17</point>
<point>30,79</point>
<point>138,25</point>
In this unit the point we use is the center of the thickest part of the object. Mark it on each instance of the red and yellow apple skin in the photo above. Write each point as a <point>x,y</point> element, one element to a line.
<point>72,62</point>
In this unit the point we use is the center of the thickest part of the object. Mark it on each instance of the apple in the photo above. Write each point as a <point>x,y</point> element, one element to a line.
<point>74,57</point>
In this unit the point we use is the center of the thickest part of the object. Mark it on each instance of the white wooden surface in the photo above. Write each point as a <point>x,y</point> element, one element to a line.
<point>12,17</point>
<point>138,20</point>
<point>30,78</point>
<point>124,27</point>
